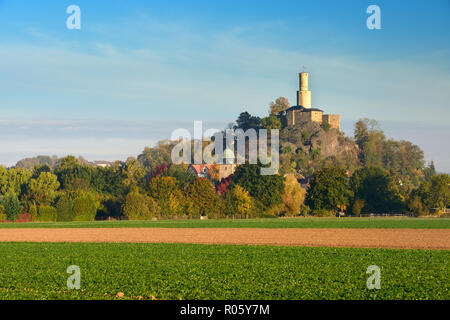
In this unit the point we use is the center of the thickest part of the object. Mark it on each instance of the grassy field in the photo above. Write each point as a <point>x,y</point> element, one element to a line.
<point>185,271</point>
<point>379,222</point>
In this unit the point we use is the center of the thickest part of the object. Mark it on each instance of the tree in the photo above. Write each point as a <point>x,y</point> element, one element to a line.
<point>429,171</point>
<point>328,191</point>
<point>416,205</point>
<point>239,202</point>
<point>293,196</point>
<point>12,206</point>
<point>265,188</point>
<point>139,207</point>
<point>73,174</point>
<point>2,213</point>
<point>85,207</point>
<point>357,206</point>
<point>64,208</point>
<point>182,174</point>
<point>436,193</point>
<point>134,174</point>
<point>47,214</point>
<point>43,189</point>
<point>166,193</point>
<point>14,180</point>
<point>150,158</point>
<point>246,121</point>
<point>378,189</point>
<point>271,122</point>
<point>202,194</point>
<point>281,104</point>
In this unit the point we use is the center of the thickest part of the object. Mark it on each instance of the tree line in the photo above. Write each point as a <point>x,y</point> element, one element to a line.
<point>390,178</point>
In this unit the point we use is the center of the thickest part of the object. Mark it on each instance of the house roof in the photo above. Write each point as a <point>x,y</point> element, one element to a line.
<point>198,168</point>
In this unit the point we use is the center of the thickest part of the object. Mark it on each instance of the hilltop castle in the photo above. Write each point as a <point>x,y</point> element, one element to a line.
<point>303,112</point>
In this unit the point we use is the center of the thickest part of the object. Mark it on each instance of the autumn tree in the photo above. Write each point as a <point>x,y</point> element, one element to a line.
<point>239,202</point>
<point>166,193</point>
<point>203,196</point>
<point>293,196</point>
<point>281,104</point>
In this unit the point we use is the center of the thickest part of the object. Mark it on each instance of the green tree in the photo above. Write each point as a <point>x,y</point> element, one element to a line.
<point>64,208</point>
<point>134,174</point>
<point>43,189</point>
<point>85,207</point>
<point>12,206</point>
<point>139,207</point>
<point>246,121</point>
<point>151,158</point>
<point>357,206</point>
<point>265,188</point>
<point>183,175</point>
<point>378,189</point>
<point>14,180</point>
<point>2,213</point>
<point>47,214</point>
<point>436,193</point>
<point>328,191</point>
<point>271,122</point>
<point>429,171</point>
<point>73,174</point>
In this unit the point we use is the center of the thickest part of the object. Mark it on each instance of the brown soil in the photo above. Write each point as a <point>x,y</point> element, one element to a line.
<point>361,238</point>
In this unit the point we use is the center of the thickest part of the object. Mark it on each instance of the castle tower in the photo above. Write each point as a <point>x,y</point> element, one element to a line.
<point>304,95</point>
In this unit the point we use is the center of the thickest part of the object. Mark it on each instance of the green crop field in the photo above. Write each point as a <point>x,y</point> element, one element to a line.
<point>188,271</point>
<point>379,222</point>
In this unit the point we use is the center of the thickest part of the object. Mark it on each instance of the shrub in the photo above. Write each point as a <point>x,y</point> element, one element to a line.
<point>47,214</point>
<point>325,126</point>
<point>33,213</point>
<point>2,213</point>
<point>64,207</point>
<point>12,206</point>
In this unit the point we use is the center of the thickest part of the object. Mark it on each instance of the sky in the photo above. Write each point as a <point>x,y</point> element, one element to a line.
<point>137,70</point>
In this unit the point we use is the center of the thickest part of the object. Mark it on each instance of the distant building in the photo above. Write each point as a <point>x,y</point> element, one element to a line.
<point>102,164</point>
<point>216,171</point>
<point>303,112</point>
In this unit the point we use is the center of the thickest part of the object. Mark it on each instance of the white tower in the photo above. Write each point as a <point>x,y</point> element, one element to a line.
<point>304,95</point>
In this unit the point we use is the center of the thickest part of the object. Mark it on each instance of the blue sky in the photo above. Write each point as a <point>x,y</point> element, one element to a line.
<point>156,65</point>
